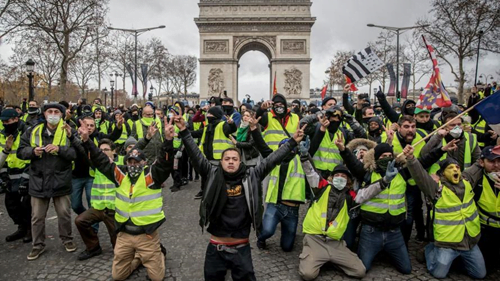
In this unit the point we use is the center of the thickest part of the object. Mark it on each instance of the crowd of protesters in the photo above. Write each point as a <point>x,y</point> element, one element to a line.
<point>361,168</point>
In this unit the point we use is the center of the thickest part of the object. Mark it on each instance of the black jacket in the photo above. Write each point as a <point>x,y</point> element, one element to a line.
<point>50,174</point>
<point>251,181</point>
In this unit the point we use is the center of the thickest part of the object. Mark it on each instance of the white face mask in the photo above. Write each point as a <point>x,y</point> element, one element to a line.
<point>244,124</point>
<point>53,119</point>
<point>494,176</point>
<point>339,182</point>
<point>456,132</point>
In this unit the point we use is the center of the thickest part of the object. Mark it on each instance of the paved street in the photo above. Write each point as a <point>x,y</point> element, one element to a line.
<point>186,246</point>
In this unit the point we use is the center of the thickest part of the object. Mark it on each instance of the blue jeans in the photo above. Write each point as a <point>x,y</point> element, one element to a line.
<point>289,218</point>
<point>79,184</point>
<point>373,240</point>
<point>440,259</point>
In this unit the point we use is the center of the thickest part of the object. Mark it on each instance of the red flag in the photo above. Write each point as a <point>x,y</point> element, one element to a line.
<point>434,95</point>
<point>275,90</point>
<point>323,92</point>
<point>348,81</point>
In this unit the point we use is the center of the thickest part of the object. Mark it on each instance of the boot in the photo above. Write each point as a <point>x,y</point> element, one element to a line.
<point>20,233</point>
<point>27,238</point>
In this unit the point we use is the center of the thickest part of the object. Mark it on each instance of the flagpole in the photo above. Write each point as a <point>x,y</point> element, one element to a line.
<point>443,126</point>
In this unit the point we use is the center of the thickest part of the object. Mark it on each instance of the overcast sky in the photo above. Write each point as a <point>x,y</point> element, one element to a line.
<point>340,25</point>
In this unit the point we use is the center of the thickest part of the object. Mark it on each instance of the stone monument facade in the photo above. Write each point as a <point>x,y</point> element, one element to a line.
<point>281,29</point>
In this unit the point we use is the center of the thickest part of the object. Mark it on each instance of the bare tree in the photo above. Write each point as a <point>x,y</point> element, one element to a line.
<point>335,75</point>
<point>69,24</point>
<point>187,71</point>
<point>82,68</point>
<point>415,52</point>
<point>454,29</point>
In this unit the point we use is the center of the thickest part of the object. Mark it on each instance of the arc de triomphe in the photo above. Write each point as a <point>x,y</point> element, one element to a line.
<point>280,29</point>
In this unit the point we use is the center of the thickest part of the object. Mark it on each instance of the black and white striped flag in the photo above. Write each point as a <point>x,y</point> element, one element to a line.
<point>362,64</point>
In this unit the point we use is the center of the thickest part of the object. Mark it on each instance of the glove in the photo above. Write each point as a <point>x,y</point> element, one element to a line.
<point>178,155</point>
<point>304,147</point>
<point>391,172</point>
<point>23,190</point>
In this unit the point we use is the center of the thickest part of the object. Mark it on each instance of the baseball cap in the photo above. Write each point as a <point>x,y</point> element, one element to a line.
<point>490,152</point>
<point>420,110</point>
<point>135,154</point>
<point>8,113</point>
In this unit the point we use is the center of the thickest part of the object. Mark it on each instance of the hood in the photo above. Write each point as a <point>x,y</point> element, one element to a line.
<point>369,161</point>
<point>403,108</point>
<point>352,145</point>
<point>282,99</point>
<point>181,105</point>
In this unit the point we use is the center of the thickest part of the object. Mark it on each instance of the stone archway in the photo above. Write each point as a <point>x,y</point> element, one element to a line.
<point>280,29</point>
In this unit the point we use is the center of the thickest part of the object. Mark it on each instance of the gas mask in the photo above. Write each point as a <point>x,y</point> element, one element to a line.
<point>279,109</point>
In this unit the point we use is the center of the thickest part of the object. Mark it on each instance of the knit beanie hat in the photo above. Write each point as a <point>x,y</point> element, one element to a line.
<point>130,141</point>
<point>381,149</point>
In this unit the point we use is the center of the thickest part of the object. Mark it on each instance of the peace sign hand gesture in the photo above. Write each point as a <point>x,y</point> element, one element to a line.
<point>152,129</point>
<point>179,121</point>
<point>169,128</point>
<point>299,134</point>
<point>339,141</point>
<point>83,131</point>
<point>324,123</point>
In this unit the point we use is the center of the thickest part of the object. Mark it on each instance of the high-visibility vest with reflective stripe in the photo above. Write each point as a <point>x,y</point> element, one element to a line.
<point>398,148</point>
<point>220,141</point>
<point>124,136</point>
<point>196,127</point>
<point>392,199</point>
<point>104,126</point>
<point>274,132</point>
<point>453,217</point>
<point>24,117</point>
<point>177,140</point>
<point>140,204</point>
<point>383,137</point>
<point>480,127</point>
<point>12,161</point>
<point>488,206</point>
<point>315,220</point>
<point>294,187</point>
<point>140,132</point>
<point>469,148</point>
<point>328,155</point>
<point>103,192</point>
<point>60,136</point>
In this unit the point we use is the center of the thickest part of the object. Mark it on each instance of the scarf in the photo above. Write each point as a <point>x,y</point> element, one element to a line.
<point>241,136</point>
<point>215,197</point>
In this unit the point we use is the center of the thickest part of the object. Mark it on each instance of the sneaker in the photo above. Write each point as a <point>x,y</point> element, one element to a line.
<point>198,195</point>
<point>27,238</point>
<point>70,246</point>
<point>85,255</point>
<point>261,245</point>
<point>35,253</point>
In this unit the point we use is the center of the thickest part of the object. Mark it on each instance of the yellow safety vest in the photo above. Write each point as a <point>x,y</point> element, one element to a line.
<point>480,127</point>
<point>453,217</point>
<point>327,157</point>
<point>60,136</point>
<point>138,203</point>
<point>220,141</point>
<point>392,199</point>
<point>12,161</point>
<point>103,192</point>
<point>124,136</point>
<point>469,148</point>
<point>398,148</point>
<point>274,133</point>
<point>489,206</point>
<point>294,188</point>
<point>315,221</point>
<point>140,132</point>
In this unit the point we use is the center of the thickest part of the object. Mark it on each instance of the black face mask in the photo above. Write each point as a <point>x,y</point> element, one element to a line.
<point>212,119</point>
<point>410,111</point>
<point>10,129</point>
<point>383,163</point>
<point>228,109</point>
<point>32,110</point>
<point>334,126</point>
<point>279,110</point>
<point>135,117</point>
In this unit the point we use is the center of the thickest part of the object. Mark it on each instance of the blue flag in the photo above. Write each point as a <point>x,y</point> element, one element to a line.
<point>489,109</point>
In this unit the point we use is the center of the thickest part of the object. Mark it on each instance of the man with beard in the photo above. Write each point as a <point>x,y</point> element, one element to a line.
<point>17,199</point>
<point>279,123</point>
<point>324,152</point>
<point>468,151</point>
<point>139,131</point>
<point>455,219</point>
<point>214,139</point>
<point>231,204</point>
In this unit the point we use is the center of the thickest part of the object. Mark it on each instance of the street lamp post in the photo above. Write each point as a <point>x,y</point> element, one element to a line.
<point>105,91</point>
<point>112,83</point>
<point>150,96</point>
<point>489,76</point>
<point>479,35</point>
<point>397,30</point>
<point>136,33</point>
<point>30,67</point>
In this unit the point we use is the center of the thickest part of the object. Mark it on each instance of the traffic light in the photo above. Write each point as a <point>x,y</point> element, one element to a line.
<point>399,99</point>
